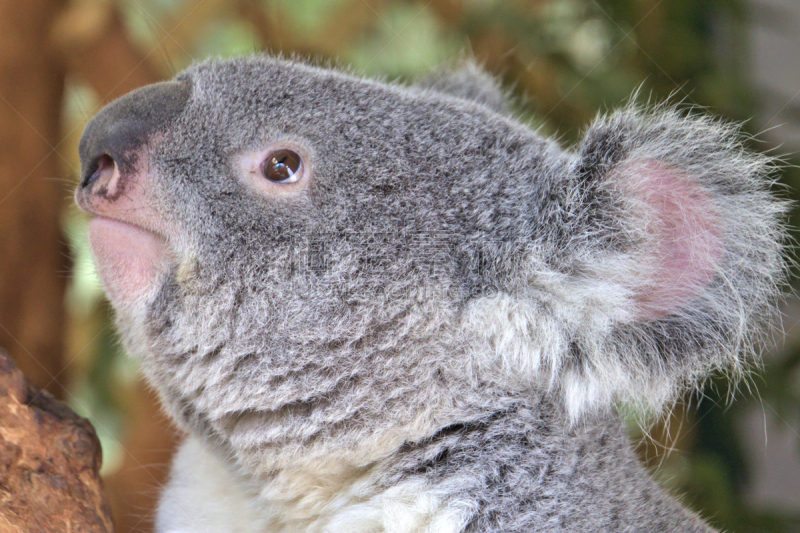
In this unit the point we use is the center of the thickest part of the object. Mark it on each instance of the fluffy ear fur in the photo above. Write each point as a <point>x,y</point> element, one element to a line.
<point>666,264</point>
<point>470,82</point>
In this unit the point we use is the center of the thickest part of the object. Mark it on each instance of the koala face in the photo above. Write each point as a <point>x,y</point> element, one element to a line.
<point>306,261</point>
<point>314,294</point>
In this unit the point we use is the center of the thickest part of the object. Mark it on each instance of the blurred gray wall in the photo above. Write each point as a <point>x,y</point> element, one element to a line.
<point>771,440</point>
<point>775,68</point>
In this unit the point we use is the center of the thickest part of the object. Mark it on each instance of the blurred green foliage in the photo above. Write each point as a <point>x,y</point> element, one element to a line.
<point>565,60</point>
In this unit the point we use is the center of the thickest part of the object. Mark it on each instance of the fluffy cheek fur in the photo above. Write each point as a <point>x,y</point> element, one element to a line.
<point>532,343</point>
<point>262,378</point>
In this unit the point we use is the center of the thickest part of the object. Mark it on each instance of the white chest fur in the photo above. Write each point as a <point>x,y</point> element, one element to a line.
<point>203,496</point>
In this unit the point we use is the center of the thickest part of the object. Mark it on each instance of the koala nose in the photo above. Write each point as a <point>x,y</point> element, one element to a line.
<point>112,137</point>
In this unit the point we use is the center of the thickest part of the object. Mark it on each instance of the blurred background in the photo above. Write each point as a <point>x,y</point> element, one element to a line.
<point>738,463</point>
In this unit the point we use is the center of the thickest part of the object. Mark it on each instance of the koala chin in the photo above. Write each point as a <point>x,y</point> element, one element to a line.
<point>385,308</point>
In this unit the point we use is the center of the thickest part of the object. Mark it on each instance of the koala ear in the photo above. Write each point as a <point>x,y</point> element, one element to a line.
<point>682,226</point>
<point>666,263</point>
<point>658,202</point>
<point>470,82</point>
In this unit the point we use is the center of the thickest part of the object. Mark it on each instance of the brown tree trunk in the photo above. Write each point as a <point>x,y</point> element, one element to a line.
<point>33,257</point>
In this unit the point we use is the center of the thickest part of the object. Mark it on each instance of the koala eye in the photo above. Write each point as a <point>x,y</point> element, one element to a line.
<point>282,166</point>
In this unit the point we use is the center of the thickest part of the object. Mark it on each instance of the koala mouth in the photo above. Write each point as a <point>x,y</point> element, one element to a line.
<point>126,235</point>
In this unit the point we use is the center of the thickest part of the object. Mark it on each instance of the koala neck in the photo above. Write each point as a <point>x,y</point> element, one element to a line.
<point>333,443</point>
<point>274,391</point>
<point>407,486</point>
<point>433,484</point>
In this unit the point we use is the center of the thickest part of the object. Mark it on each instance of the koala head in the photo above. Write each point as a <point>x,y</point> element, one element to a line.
<point>304,260</point>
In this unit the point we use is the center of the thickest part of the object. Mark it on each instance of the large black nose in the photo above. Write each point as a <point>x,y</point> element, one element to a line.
<point>126,123</point>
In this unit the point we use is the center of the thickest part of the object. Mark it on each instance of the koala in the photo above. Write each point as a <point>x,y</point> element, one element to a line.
<point>376,307</point>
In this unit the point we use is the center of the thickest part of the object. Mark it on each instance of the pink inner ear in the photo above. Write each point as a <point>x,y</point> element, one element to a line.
<point>687,232</point>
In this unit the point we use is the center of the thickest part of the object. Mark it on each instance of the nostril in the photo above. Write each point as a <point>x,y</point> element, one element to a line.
<point>101,164</point>
<point>103,178</point>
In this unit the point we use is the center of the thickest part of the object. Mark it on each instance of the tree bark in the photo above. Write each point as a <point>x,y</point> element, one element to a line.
<point>49,463</point>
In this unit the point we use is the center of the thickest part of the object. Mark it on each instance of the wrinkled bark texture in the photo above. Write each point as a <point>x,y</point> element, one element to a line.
<point>49,462</point>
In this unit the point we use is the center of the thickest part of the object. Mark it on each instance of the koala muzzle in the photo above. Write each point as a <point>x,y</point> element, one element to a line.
<point>112,138</point>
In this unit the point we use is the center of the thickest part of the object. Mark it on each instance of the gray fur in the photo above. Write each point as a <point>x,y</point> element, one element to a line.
<point>451,300</point>
<point>470,82</point>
